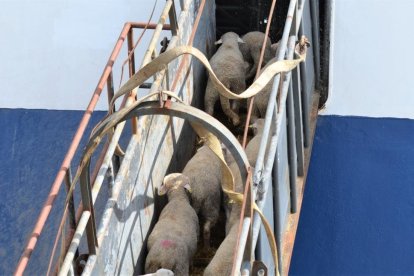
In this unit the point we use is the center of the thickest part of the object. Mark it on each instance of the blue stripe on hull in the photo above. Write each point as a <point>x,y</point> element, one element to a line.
<point>33,144</point>
<point>358,209</point>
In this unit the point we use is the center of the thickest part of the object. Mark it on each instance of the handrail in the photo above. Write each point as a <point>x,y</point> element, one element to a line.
<point>263,169</point>
<point>66,163</point>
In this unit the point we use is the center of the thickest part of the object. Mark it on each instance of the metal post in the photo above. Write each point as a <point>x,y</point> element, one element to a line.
<point>297,102</point>
<point>157,32</point>
<point>71,204</point>
<point>110,87</point>
<point>293,165</point>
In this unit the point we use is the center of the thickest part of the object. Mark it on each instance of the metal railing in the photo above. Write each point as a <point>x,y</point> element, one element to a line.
<point>64,174</point>
<point>284,98</point>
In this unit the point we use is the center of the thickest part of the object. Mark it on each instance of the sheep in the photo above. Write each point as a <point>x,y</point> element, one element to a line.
<point>229,66</point>
<point>262,98</point>
<point>232,209</point>
<point>252,147</point>
<point>274,48</point>
<point>222,262</point>
<point>204,172</point>
<point>251,50</point>
<point>173,241</point>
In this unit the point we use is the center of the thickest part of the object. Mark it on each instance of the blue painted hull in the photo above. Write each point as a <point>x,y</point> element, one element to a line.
<point>33,144</point>
<point>358,208</point>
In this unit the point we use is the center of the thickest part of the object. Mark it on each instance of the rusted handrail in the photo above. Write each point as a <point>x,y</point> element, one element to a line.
<point>57,183</point>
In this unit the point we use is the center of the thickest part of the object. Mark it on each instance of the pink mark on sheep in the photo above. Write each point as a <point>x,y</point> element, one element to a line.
<point>167,243</point>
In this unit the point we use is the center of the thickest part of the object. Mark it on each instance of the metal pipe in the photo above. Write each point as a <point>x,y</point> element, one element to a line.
<point>67,262</point>
<point>315,40</point>
<point>270,111</point>
<point>150,26</point>
<point>273,145</point>
<point>54,190</point>
<point>242,241</point>
<point>71,205</point>
<point>292,150</point>
<point>131,69</point>
<point>257,177</point>
<point>157,32</point>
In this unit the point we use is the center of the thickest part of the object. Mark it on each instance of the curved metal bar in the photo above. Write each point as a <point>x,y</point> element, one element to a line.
<point>186,112</point>
<point>175,109</point>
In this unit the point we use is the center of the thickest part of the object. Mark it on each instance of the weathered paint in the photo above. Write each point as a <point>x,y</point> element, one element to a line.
<point>161,146</point>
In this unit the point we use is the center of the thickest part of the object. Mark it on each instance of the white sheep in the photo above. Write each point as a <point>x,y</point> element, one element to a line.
<point>173,241</point>
<point>204,172</point>
<point>222,262</point>
<point>251,51</point>
<point>262,98</point>
<point>229,66</point>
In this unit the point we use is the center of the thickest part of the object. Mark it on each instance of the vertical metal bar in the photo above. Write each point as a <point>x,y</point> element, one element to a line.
<point>131,67</point>
<point>297,102</point>
<point>87,202</point>
<point>71,204</point>
<point>67,262</point>
<point>315,40</point>
<point>173,20</point>
<point>293,165</point>
<point>110,87</point>
<point>131,61</point>
<point>276,219</point>
<point>305,91</point>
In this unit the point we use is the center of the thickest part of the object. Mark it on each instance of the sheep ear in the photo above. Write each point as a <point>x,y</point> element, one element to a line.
<point>187,187</point>
<point>240,40</point>
<point>218,42</point>
<point>162,190</point>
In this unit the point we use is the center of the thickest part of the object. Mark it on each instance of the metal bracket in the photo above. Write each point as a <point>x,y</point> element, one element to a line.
<point>259,269</point>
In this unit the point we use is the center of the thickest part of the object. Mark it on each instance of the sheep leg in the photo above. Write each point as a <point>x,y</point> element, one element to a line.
<point>225,105</point>
<point>235,105</point>
<point>206,235</point>
<point>252,72</point>
<point>210,98</point>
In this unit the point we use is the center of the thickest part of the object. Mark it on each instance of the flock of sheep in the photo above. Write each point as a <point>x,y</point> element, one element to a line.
<point>196,194</point>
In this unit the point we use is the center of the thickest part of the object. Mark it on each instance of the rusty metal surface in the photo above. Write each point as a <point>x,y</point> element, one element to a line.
<point>162,144</point>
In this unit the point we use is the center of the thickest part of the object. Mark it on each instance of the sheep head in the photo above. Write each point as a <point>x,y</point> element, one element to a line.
<point>174,181</point>
<point>258,126</point>
<point>229,36</point>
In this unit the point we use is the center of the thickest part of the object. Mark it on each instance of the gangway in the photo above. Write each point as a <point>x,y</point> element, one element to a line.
<point>111,239</point>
